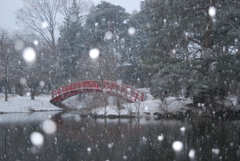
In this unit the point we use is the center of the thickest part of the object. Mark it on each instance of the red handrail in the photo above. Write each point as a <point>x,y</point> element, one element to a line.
<point>115,88</point>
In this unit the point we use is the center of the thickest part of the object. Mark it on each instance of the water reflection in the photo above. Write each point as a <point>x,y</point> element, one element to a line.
<point>82,138</point>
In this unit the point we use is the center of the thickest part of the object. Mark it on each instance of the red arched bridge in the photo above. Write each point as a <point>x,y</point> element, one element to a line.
<point>112,88</point>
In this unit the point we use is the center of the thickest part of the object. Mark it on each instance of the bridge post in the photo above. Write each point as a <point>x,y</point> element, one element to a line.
<point>136,97</point>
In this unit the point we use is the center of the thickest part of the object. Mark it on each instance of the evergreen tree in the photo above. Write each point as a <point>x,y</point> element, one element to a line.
<point>197,33</point>
<point>106,30</point>
<point>135,44</point>
<point>71,46</point>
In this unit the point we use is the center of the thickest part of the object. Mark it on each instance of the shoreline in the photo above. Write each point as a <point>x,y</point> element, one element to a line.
<point>150,109</point>
<point>229,116</point>
<point>24,104</point>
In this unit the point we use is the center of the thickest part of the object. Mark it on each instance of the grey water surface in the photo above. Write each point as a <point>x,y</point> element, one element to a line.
<point>145,139</point>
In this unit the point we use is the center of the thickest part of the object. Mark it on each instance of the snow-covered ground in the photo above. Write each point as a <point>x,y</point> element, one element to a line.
<point>25,104</point>
<point>171,105</point>
<point>17,104</point>
<point>26,117</point>
<point>148,107</point>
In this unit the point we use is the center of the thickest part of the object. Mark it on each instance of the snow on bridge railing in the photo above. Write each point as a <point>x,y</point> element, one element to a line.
<point>104,86</point>
<point>125,89</point>
<point>74,86</point>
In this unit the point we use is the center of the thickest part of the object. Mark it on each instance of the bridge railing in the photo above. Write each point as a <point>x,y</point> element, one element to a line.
<point>74,86</point>
<point>125,90</point>
<point>104,86</point>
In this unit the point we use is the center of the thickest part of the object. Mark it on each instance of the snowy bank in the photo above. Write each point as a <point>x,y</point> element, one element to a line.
<point>17,104</point>
<point>27,117</point>
<point>149,107</point>
<point>171,105</point>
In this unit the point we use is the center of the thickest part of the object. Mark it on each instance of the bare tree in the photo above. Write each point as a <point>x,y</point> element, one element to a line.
<point>40,16</point>
<point>6,56</point>
<point>83,5</point>
<point>37,73</point>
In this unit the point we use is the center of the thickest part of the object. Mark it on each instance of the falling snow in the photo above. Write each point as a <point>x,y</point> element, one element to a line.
<point>37,139</point>
<point>212,11</point>
<point>131,30</point>
<point>19,45</point>
<point>164,48</point>
<point>44,24</point>
<point>23,81</point>
<point>182,129</point>
<point>191,154</point>
<point>108,35</point>
<point>216,151</point>
<point>94,53</point>
<point>35,42</point>
<point>89,149</point>
<point>177,146</point>
<point>160,137</point>
<point>29,55</point>
<point>49,126</point>
<point>41,83</point>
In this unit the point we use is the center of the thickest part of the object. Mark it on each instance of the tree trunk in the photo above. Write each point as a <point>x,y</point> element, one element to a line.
<point>19,89</point>
<point>238,95</point>
<point>6,83</point>
<point>6,93</point>
<point>32,93</point>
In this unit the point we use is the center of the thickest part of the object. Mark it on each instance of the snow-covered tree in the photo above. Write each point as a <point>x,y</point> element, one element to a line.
<point>35,74</point>
<point>135,43</point>
<point>72,46</point>
<point>7,54</point>
<point>198,34</point>
<point>106,28</point>
<point>40,16</point>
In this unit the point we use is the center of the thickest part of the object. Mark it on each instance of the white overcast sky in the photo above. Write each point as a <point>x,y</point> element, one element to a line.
<point>9,7</point>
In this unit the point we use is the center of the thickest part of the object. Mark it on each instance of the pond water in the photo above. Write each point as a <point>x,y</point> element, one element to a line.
<point>82,138</point>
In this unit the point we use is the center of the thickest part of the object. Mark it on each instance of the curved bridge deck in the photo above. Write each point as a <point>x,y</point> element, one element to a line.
<point>112,88</point>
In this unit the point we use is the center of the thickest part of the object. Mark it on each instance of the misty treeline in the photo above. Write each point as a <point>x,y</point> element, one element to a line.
<point>187,47</point>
